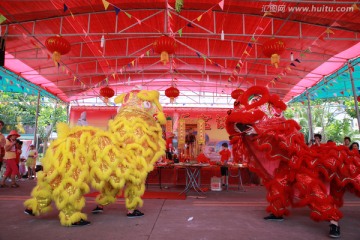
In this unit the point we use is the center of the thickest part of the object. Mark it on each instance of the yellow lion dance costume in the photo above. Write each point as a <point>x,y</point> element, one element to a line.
<point>108,161</point>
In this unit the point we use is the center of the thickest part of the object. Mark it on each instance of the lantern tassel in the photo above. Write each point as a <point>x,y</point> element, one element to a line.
<point>164,57</point>
<point>172,100</point>
<point>56,58</point>
<point>275,60</point>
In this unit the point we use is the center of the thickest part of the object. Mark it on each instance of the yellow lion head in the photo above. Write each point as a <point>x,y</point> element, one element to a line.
<point>144,100</point>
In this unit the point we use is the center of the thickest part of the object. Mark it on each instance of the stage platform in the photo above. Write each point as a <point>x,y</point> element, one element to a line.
<point>221,215</point>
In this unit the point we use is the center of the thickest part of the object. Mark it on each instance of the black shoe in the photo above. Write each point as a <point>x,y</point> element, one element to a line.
<point>80,223</point>
<point>97,210</point>
<point>135,213</point>
<point>334,231</point>
<point>272,217</point>
<point>29,212</point>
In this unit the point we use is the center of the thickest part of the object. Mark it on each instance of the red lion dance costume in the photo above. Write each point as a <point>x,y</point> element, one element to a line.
<point>293,173</point>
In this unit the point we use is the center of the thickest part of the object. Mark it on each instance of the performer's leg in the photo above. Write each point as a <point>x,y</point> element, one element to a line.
<point>41,198</point>
<point>133,194</point>
<point>324,208</point>
<point>107,195</point>
<point>278,195</point>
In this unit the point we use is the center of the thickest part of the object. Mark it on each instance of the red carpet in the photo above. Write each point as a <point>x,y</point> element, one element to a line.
<point>151,195</point>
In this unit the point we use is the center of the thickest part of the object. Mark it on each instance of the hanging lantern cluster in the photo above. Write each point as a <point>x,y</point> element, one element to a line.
<point>172,93</point>
<point>106,93</point>
<point>273,48</point>
<point>237,93</point>
<point>58,46</point>
<point>165,45</point>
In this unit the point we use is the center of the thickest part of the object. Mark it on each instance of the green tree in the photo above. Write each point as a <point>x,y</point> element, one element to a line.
<point>18,111</point>
<point>326,115</point>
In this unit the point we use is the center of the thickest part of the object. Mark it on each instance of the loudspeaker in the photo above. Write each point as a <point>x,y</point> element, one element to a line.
<point>2,51</point>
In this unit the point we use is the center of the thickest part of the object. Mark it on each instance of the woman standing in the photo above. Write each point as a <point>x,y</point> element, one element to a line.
<point>12,169</point>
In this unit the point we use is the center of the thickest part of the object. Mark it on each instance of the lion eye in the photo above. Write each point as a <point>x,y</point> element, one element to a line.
<point>147,104</point>
<point>255,99</point>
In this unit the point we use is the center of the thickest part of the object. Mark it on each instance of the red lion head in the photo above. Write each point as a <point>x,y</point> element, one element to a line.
<point>256,105</point>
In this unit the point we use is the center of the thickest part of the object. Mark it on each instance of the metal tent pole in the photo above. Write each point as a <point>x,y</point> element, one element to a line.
<point>354,94</point>
<point>36,121</point>
<point>311,132</point>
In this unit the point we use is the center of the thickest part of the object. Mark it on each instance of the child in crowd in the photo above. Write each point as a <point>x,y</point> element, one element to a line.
<point>31,161</point>
<point>225,157</point>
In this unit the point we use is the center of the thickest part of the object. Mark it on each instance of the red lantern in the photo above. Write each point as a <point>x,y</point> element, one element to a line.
<point>106,93</point>
<point>273,48</point>
<point>165,45</point>
<point>237,93</point>
<point>358,98</point>
<point>57,46</point>
<point>172,93</point>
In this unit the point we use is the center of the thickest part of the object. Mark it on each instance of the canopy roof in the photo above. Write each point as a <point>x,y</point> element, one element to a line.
<point>320,41</point>
<point>335,85</point>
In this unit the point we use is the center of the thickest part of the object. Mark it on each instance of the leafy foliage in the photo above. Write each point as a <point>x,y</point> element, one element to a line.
<point>18,112</point>
<point>331,119</point>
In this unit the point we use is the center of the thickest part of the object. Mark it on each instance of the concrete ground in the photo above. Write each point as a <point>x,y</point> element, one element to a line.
<point>221,215</point>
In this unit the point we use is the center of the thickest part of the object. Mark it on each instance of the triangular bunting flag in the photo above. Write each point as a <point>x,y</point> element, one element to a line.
<point>106,4</point>
<point>267,14</point>
<point>180,32</point>
<point>355,7</point>
<point>169,14</point>
<point>138,20</point>
<point>65,7</point>
<point>189,25</point>
<point>250,45</point>
<point>148,53</point>
<point>198,54</point>
<point>246,53</point>
<point>335,24</point>
<point>292,64</point>
<point>199,18</point>
<point>2,18</point>
<point>342,92</point>
<point>329,31</point>
<point>170,7</point>
<point>253,39</point>
<point>128,14</point>
<point>117,10</point>
<point>221,4</point>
